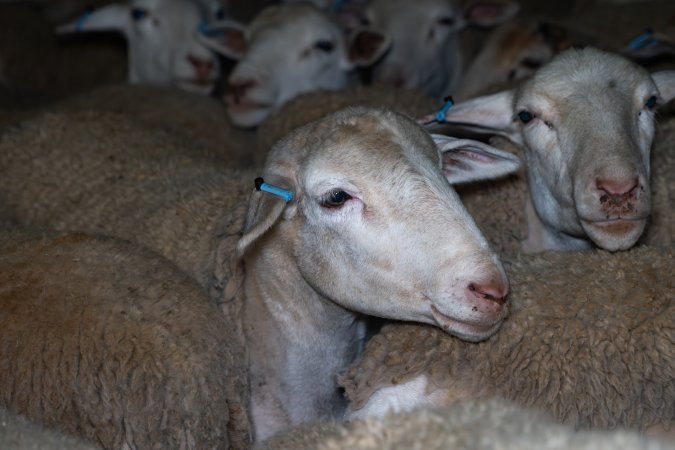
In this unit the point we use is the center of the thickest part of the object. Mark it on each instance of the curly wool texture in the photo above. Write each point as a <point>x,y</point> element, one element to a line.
<point>200,119</point>
<point>105,173</point>
<point>17,433</point>
<point>110,342</point>
<point>313,106</point>
<point>590,339</point>
<point>488,425</point>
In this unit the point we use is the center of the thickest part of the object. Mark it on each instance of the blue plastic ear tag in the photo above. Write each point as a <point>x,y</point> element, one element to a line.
<point>260,185</point>
<point>209,32</point>
<point>337,5</point>
<point>79,23</point>
<point>643,40</point>
<point>440,115</point>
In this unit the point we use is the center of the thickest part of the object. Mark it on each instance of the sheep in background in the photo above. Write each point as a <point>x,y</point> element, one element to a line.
<point>110,342</point>
<point>285,51</point>
<point>590,340</point>
<point>586,124</point>
<point>425,47</point>
<point>467,425</point>
<point>17,433</point>
<point>164,48</point>
<point>360,179</point>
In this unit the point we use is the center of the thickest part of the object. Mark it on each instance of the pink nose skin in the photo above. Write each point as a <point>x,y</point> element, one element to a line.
<point>236,90</point>
<point>616,195</point>
<point>492,292</point>
<point>202,67</point>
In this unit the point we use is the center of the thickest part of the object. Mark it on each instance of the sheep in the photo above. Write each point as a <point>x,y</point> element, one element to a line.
<point>201,119</point>
<point>589,340</point>
<point>163,36</point>
<point>112,343</point>
<point>289,49</point>
<point>312,106</point>
<point>17,433</point>
<point>426,53</point>
<point>361,180</point>
<point>466,425</point>
<point>586,124</point>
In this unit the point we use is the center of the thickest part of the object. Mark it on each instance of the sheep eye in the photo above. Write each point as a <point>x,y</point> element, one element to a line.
<point>220,14</point>
<point>651,102</point>
<point>325,46</point>
<point>525,116</point>
<point>446,21</point>
<point>139,13</point>
<point>335,199</point>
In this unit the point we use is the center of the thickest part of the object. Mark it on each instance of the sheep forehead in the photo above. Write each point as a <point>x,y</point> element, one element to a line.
<point>385,12</point>
<point>289,19</point>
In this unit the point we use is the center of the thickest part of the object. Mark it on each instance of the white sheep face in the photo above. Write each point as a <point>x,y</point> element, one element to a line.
<point>378,229</point>
<point>162,41</point>
<point>425,52</point>
<point>586,121</point>
<point>288,50</point>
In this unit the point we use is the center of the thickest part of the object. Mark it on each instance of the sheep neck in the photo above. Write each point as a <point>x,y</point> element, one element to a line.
<point>298,341</point>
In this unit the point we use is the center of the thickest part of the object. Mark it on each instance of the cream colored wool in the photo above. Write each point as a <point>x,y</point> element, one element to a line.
<point>111,342</point>
<point>17,433</point>
<point>312,106</point>
<point>590,339</point>
<point>202,120</point>
<point>105,173</point>
<point>469,425</point>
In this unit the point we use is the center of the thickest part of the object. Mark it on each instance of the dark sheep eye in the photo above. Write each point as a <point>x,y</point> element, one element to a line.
<point>139,13</point>
<point>220,14</point>
<point>446,21</point>
<point>525,116</point>
<point>335,199</point>
<point>325,46</point>
<point>651,102</point>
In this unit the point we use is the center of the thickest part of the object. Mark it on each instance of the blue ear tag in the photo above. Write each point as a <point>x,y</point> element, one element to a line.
<point>643,40</point>
<point>79,23</point>
<point>260,185</point>
<point>204,29</point>
<point>337,5</point>
<point>440,115</point>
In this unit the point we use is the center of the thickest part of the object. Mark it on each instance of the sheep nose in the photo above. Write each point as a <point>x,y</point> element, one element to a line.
<point>236,90</point>
<point>494,292</point>
<point>202,67</point>
<point>616,192</point>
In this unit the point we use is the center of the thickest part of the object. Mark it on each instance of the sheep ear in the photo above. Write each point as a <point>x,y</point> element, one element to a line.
<point>113,17</point>
<point>264,211</point>
<point>487,114</point>
<point>466,160</point>
<point>227,37</point>
<point>665,82</point>
<point>365,46</point>
<point>490,13</point>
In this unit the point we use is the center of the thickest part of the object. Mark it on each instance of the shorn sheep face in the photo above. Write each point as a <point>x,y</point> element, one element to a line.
<point>425,50</point>
<point>285,51</point>
<point>374,228</point>
<point>163,40</point>
<point>586,124</point>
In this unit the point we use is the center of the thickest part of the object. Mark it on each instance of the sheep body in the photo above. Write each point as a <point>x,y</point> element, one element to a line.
<point>111,342</point>
<point>590,340</point>
<point>17,433</point>
<point>467,425</point>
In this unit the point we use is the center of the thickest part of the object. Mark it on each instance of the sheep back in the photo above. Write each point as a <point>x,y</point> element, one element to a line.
<point>590,339</point>
<point>110,342</point>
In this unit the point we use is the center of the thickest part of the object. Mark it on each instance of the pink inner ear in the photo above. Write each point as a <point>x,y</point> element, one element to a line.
<point>469,154</point>
<point>234,40</point>
<point>485,12</point>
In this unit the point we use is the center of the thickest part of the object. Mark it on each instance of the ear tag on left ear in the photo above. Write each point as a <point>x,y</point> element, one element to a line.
<point>260,185</point>
<point>209,32</point>
<point>643,40</point>
<point>79,23</point>
<point>439,117</point>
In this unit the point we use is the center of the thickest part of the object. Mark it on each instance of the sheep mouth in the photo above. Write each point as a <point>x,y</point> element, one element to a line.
<point>247,107</point>
<point>616,226</point>
<point>466,330</point>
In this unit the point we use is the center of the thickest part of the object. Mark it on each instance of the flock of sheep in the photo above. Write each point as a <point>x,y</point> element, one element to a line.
<point>495,273</point>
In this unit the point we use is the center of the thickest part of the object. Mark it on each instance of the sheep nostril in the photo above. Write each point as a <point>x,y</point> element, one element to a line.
<point>202,67</point>
<point>494,293</point>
